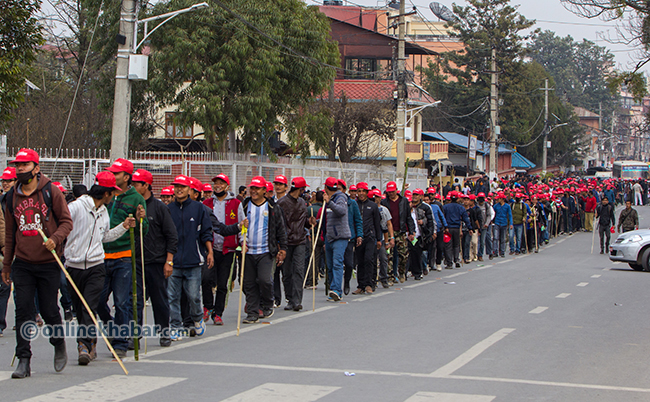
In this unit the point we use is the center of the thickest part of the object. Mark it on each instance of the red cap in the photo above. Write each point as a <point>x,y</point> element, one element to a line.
<point>331,182</point>
<point>374,193</point>
<point>431,190</point>
<point>167,190</point>
<point>60,186</point>
<point>269,187</point>
<point>481,195</point>
<point>361,186</point>
<point>9,174</point>
<point>223,177</point>
<point>472,197</point>
<point>106,179</point>
<point>437,196</point>
<point>418,191</point>
<point>182,180</point>
<point>409,197</point>
<point>258,181</point>
<point>281,179</point>
<point>121,165</point>
<point>26,155</point>
<point>448,197</point>
<point>353,188</point>
<point>207,187</point>
<point>299,182</point>
<point>408,193</point>
<point>342,182</point>
<point>143,176</point>
<point>391,186</point>
<point>195,184</point>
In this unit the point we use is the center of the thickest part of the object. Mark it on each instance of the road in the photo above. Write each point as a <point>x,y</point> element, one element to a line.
<point>561,325</point>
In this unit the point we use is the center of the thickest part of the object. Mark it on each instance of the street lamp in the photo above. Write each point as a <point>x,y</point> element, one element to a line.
<point>126,54</point>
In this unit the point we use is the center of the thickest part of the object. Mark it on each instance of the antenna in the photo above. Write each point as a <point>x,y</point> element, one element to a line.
<point>442,12</point>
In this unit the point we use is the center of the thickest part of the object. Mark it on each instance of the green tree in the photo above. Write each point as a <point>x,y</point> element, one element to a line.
<point>250,72</point>
<point>20,34</point>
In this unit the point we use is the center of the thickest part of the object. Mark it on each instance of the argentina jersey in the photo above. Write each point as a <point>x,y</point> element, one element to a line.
<point>258,228</point>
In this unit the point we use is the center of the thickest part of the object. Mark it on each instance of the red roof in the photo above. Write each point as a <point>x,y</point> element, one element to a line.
<point>374,90</point>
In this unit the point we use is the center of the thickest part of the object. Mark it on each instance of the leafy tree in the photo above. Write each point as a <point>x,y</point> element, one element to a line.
<point>20,34</point>
<point>249,72</point>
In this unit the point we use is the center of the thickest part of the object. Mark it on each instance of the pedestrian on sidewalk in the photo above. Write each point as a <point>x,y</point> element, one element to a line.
<point>337,230</point>
<point>606,217</point>
<point>628,219</point>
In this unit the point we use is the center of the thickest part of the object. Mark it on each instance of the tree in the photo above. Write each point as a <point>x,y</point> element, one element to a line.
<point>357,129</point>
<point>251,71</point>
<point>20,34</point>
<point>633,31</point>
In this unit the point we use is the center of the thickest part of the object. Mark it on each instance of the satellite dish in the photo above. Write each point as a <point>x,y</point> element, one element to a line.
<point>442,12</point>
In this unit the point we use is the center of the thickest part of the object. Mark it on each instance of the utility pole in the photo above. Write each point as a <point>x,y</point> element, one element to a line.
<point>122,103</point>
<point>546,131</point>
<point>493,116</point>
<point>600,131</point>
<point>401,92</point>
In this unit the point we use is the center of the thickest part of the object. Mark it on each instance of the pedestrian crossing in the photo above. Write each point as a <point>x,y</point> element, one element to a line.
<point>448,397</point>
<point>114,388</point>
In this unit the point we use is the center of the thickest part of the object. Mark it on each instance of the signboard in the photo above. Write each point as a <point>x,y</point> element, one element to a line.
<point>471,147</point>
<point>426,151</point>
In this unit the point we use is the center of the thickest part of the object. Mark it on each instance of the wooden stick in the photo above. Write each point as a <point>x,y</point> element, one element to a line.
<point>311,259</point>
<point>144,287</point>
<point>83,300</point>
<point>244,230</point>
<point>313,272</point>
<point>593,235</point>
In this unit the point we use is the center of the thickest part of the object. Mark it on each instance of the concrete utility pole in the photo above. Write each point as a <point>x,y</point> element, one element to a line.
<point>493,116</point>
<point>545,147</point>
<point>401,92</point>
<point>122,103</point>
<point>600,132</point>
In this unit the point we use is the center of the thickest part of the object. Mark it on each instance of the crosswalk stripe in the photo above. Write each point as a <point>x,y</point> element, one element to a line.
<point>114,388</point>
<point>538,310</point>
<point>583,284</point>
<point>273,392</point>
<point>447,397</point>
<point>563,295</point>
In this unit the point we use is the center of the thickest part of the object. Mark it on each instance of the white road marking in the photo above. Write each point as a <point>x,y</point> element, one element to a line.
<point>471,353</point>
<point>538,310</point>
<point>415,285</point>
<point>272,392</point>
<point>480,268</point>
<point>455,275</point>
<point>5,375</point>
<point>583,284</point>
<point>373,296</point>
<point>561,240</point>
<point>113,388</point>
<point>596,276</point>
<point>563,295</point>
<point>447,397</point>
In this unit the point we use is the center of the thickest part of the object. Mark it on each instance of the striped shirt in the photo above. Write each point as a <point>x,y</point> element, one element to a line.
<point>258,228</point>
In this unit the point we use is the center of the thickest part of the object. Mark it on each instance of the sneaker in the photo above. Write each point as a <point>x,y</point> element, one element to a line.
<point>418,277</point>
<point>334,296</point>
<point>199,327</point>
<point>384,284</point>
<point>267,313</point>
<point>1,334</point>
<point>458,265</point>
<point>84,354</point>
<point>250,319</point>
<point>165,342</point>
<point>439,267</point>
<point>402,278</point>
<point>276,304</point>
<point>217,320</point>
<point>175,335</point>
<point>206,314</point>
<point>68,315</point>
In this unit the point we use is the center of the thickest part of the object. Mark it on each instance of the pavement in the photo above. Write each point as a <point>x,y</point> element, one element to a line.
<point>561,325</point>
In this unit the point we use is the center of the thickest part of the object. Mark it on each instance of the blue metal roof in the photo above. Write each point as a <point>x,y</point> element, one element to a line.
<point>460,140</point>
<point>519,161</point>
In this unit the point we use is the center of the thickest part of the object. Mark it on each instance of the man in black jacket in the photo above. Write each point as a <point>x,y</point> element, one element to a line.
<point>403,227</point>
<point>606,219</point>
<point>266,241</point>
<point>366,252</point>
<point>160,245</point>
<point>426,226</point>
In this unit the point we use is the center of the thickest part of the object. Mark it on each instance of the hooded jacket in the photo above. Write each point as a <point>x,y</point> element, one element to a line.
<point>84,247</point>
<point>337,224</point>
<point>30,213</point>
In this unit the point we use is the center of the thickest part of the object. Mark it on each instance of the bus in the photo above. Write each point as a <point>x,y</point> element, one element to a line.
<point>631,169</point>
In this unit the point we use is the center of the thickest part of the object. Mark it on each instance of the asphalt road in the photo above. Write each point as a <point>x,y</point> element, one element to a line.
<point>561,325</point>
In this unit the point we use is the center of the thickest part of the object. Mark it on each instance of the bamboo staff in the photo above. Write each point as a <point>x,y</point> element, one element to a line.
<point>144,287</point>
<point>134,273</point>
<point>244,231</point>
<point>535,229</point>
<point>311,259</point>
<point>313,272</point>
<point>83,300</point>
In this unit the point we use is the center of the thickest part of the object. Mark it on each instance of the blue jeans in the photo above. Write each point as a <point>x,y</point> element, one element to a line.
<point>189,280</point>
<point>118,282</point>
<point>500,235</point>
<point>485,242</point>
<point>335,252</point>
<point>519,231</point>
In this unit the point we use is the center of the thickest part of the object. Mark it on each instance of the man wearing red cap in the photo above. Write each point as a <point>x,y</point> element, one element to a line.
<point>280,185</point>
<point>337,235</point>
<point>207,192</point>
<point>403,226</point>
<point>366,252</point>
<point>117,259</point>
<point>388,240</point>
<point>84,255</point>
<point>8,180</point>
<point>266,242</point>
<point>425,233</point>
<point>295,217</point>
<point>160,245</point>
<point>353,192</point>
<point>228,209</point>
<point>34,267</point>
<point>167,195</point>
<point>356,236</point>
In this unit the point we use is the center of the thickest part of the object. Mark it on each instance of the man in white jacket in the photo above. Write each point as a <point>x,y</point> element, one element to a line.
<point>84,255</point>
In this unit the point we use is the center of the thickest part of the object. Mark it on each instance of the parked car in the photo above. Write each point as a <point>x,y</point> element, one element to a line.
<point>634,248</point>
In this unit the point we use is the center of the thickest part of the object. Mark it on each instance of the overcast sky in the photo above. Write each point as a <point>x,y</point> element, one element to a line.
<point>549,14</point>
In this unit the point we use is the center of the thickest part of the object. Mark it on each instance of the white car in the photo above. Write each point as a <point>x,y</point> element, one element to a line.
<point>634,248</point>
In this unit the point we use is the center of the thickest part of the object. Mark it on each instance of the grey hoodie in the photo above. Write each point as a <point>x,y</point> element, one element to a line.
<point>338,226</point>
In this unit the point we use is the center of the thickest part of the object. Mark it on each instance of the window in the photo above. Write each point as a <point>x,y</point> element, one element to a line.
<point>367,69</point>
<point>172,130</point>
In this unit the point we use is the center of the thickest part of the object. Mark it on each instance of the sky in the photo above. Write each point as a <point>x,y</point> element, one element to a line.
<point>549,14</point>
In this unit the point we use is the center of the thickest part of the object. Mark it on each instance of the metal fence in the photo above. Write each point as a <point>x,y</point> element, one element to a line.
<point>80,167</point>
